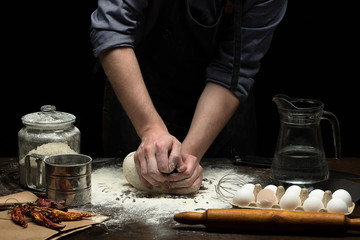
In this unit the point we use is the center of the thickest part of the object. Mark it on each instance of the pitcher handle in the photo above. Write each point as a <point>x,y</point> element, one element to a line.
<point>38,181</point>
<point>336,131</point>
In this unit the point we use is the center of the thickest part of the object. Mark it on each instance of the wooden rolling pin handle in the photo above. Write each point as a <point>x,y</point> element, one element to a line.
<point>353,224</point>
<point>269,220</point>
<point>191,218</point>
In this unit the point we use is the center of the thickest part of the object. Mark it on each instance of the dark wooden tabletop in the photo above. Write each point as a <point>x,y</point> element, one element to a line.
<point>345,171</point>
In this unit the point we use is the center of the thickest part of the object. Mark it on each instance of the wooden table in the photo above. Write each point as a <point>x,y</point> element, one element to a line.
<point>346,168</point>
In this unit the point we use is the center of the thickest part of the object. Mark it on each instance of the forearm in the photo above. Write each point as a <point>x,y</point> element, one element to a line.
<point>122,69</point>
<point>214,109</point>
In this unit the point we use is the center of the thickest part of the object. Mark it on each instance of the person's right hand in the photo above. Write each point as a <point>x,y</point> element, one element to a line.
<point>188,178</point>
<point>158,155</point>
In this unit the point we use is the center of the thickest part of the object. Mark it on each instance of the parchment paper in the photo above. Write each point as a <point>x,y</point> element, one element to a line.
<point>10,230</point>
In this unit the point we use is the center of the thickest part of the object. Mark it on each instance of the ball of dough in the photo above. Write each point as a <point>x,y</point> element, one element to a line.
<point>131,175</point>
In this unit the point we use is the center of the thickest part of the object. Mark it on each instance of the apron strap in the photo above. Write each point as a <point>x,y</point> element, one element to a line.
<point>237,46</point>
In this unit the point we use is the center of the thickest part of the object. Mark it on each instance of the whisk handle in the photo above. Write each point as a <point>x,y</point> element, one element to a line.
<point>254,161</point>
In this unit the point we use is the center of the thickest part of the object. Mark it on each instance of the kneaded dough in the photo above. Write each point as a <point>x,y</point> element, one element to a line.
<point>132,176</point>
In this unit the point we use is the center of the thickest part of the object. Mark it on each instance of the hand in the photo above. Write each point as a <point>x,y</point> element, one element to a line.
<point>157,156</point>
<point>188,179</point>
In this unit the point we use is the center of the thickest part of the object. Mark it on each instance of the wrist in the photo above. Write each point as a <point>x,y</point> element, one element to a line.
<point>192,147</point>
<point>156,128</point>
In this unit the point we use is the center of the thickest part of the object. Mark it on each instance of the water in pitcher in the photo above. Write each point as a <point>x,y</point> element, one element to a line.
<point>310,166</point>
<point>299,155</point>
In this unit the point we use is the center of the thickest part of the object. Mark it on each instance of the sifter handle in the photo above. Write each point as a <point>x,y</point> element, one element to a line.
<point>38,177</point>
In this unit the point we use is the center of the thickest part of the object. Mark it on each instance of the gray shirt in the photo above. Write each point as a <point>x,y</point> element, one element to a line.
<point>118,23</point>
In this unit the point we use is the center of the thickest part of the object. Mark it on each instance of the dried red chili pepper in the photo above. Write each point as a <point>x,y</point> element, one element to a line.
<point>25,209</point>
<point>71,216</point>
<point>17,216</point>
<point>42,220</point>
<point>41,202</point>
<point>51,216</point>
<point>47,212</point>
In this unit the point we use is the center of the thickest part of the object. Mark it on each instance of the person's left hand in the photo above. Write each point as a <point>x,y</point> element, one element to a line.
<point>157,155</point>
<point>187,179</point>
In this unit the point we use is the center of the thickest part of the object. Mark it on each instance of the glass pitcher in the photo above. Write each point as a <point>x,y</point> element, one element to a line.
<point>299,155</point>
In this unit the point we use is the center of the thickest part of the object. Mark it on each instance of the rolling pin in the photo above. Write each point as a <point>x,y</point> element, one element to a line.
<point>270,220</point>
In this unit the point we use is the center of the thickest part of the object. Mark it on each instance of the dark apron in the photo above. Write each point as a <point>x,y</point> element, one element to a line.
<point>173,58</point>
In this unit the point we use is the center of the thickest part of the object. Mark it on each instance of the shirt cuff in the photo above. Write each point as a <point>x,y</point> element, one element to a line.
<point>244,86</point>
<point>104,40</point>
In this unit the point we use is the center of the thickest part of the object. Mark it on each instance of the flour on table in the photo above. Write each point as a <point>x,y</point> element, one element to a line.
<point>113,196</point>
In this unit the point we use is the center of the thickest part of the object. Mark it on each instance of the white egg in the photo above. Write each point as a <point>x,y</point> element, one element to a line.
<point>266,198</point>
<point>271,187</point>
<point>318,193</point>
<point>249,186</point>
<point>290,201</point>
<point>243,197</point>
<point>336,205</point>
<point>294,188</point>
<point>313,204</point>
<point>343,195</point>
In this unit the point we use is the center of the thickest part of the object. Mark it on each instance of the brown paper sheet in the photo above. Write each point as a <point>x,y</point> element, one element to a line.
<point>10,230</point>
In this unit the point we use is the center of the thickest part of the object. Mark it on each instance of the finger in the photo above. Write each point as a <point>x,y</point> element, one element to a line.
<point>176,177</point>
<point>193,189</point>
<point>137,161</point>
<point>187,179</point>
<point>175,160</point>
<point>162,160</point>
<point>148,167</point>
<point>149,170</point>
<point>152,173</point>
<point>186,162</point>
<point>168,154</point>
<point>185,169</point>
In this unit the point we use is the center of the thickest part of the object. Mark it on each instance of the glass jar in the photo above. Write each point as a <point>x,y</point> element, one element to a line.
<point>48,132</point>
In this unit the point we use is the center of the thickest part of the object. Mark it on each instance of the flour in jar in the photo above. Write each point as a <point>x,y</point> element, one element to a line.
<point>113,196</point>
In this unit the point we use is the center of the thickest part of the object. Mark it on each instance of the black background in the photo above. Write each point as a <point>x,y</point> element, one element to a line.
<point>47,59</point>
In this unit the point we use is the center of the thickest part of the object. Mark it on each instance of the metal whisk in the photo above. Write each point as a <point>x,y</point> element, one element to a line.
<point>228,185</point>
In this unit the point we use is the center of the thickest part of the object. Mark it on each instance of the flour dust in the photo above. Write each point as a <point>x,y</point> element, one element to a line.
<point>114,197</point>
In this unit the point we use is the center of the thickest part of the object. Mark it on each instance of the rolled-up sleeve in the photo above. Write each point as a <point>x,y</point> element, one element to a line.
<point>258,25</point>
<point>114,23</point>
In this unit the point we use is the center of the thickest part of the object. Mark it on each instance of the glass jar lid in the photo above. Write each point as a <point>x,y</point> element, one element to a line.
<point>48,117</point>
